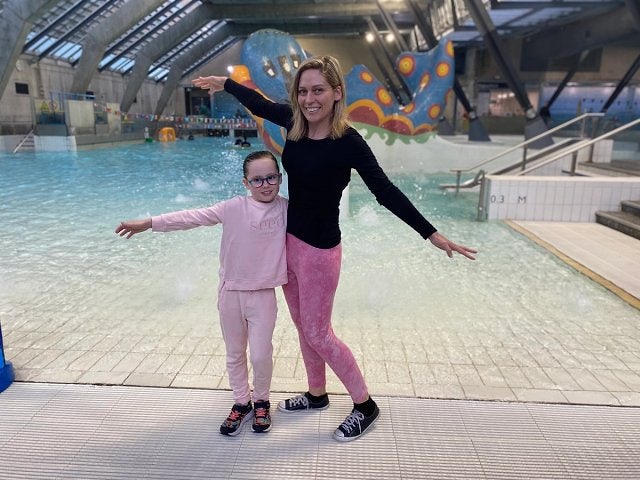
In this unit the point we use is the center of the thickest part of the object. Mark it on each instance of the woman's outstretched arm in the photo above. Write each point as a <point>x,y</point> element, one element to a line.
<point>443,243</point>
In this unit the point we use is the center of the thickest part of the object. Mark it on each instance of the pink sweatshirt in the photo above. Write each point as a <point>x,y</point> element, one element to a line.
<point>252,250</point>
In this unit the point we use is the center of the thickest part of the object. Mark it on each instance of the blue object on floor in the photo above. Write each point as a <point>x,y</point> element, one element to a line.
<point>6,370</point>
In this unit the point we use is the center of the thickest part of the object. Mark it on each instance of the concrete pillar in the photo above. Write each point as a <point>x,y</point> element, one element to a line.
<point>534,124</point>
<point>196,19</point>
<point>188,58</point>
<point>16,21</point>
<point>545,109</point>
<point>485,26</point>
<point>98,38</point>
<point>624,81</point>
<point>634,9</point>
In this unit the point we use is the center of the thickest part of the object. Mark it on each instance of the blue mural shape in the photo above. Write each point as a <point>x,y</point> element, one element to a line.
<point>271,58</point>
<point>428,75</point>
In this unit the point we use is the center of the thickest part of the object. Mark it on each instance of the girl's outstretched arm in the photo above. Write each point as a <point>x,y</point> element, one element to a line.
<point>129,228</point>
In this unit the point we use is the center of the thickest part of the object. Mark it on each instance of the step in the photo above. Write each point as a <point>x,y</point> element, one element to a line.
<point>631,206</point>
<point>28,146</point>
<point>624,222</point>
<point>614,168</point>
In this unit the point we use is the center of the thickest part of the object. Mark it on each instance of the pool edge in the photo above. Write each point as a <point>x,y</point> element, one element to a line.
<point>596,277</point>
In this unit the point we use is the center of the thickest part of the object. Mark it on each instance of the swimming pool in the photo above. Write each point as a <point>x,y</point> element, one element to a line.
<point>67,280</point>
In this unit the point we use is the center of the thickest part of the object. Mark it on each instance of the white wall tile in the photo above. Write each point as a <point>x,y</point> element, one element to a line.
<point>567,194</point>
<point>561,198</point>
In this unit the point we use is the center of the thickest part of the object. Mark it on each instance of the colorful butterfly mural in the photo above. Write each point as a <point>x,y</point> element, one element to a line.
<point>270,59</point>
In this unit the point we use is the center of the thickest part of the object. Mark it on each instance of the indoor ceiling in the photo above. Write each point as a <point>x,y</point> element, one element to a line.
<point>60,33</point>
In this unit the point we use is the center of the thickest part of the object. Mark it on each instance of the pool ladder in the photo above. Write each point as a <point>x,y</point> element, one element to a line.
<point>27,143</point>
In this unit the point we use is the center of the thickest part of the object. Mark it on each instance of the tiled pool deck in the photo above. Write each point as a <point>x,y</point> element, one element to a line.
<point>557,365</point>
<point>67,431</point>
<point>466,406</point>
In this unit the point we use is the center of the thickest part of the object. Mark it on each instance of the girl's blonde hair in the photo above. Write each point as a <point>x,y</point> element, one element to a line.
<point>331,71</point>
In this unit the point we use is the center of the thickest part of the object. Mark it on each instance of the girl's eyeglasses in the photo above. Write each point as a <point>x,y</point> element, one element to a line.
<point>257,182</point>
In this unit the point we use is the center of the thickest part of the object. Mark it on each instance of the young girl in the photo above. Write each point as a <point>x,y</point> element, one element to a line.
<point>319,153</point>
<point>252,264</point>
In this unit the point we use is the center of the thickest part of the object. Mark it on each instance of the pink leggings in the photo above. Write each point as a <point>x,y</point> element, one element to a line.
<point>313,280</point>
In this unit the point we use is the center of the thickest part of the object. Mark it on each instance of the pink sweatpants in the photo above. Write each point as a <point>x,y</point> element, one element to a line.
<point>248,317</point>
<point>313,279</point>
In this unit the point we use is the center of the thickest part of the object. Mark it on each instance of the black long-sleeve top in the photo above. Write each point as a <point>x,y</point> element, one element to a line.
<point>318,172</point>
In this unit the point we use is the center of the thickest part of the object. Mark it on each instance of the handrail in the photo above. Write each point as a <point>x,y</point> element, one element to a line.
<point>26,137</point>
<point>472,182</point>
<point>482,200</point>
<point>531,140</point>
<point>580,146</point>
<point>459,171</point>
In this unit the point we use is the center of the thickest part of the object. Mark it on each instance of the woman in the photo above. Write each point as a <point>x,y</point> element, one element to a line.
<point>320,150</point>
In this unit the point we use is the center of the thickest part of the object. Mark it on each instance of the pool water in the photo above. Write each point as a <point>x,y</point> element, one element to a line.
<point>63,265</point>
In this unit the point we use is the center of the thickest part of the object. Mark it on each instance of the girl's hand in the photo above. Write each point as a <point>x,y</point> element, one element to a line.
<point>212,83</point>
<point>129,228</point>
<point>443,243</point>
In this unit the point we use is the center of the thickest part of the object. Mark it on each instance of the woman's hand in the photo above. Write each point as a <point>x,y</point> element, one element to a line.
<point>129,228</point>
<point>443,243</point>
<point>212,83</point>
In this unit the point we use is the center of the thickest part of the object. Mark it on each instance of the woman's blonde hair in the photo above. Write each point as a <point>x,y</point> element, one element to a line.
<point>331,71</point>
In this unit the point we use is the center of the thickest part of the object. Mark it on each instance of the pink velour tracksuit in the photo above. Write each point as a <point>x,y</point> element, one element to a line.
<point>252,264</point>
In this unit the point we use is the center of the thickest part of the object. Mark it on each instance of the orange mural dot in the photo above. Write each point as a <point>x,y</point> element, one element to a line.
<point>383,96</point>
<point>366,77</point>
<point>434,111</point>
<point>449,48</point>
<point>406,65</point>
<point>442,70</point>
<point>409,108</point>
<point>424,81</point>
<point>240,74</point>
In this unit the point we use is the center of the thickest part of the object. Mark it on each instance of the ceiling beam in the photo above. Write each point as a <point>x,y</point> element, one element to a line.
<point>566,40</point>
<point>264,12</point>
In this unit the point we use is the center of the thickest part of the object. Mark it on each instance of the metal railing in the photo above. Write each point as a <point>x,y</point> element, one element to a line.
<point>573,151</point>
<point>525,145</point>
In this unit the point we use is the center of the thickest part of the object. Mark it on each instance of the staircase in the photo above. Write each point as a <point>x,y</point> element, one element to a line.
<point>27,144</point>
<point>626,220</point>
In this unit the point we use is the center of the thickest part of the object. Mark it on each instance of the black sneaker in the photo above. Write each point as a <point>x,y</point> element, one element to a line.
<point>355,425</point>
<point>261,417</point>
<point>238,416</point>
<point>302,402</point>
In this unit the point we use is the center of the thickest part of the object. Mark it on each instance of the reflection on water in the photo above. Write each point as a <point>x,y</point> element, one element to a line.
<point>63,264</point>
